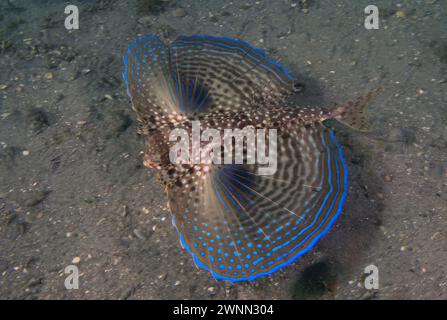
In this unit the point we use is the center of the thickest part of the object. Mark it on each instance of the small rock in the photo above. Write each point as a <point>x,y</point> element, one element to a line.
<point>36,197</point>
<point>368,295</point>
<point>139,235</point>
<point>400,14</point>
<point>76,260</point>
<point>162,276</point>
<point>146,20</point>
<point>48,76</point>
<point>388,178</point>
<point>127,293</point>
<point>34,282</point>
<point>5,115</point>
<point>245,6</point>
<point>211,290</point>
<point>434,235</point>
<point>179,13</point>
<point>3,86</point>
<point>124,211</point>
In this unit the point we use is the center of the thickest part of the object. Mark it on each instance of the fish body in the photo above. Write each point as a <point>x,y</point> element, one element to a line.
<point>237,223</point>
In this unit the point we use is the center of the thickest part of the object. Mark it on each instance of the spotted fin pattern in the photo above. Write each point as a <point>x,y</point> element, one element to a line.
<point>237,224</point>
<point>235,75</point>
<point>197,74</point>
<point>149,81</point>
<point>240,225</point>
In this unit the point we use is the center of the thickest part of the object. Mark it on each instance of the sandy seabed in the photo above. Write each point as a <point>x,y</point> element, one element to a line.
<point>73,189</point>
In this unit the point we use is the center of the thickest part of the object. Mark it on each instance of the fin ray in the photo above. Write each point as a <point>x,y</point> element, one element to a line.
<point>354,113</point>
<point>239,225</point>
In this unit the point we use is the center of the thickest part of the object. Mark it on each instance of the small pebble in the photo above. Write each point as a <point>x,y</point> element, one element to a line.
<point>211,290</point>
<point>388,178</point>
<point>25,153</point>
<point>76,260</point>
<point>179,13</point>
<point>48,76</point>
<point>434,235</point>
<point>146,20</point>
<point>400,14</point>
<point>138,234</point>
<point>124,211</point>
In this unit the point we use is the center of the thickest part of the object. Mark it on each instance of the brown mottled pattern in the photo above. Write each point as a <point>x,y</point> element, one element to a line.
<point>237,223</point>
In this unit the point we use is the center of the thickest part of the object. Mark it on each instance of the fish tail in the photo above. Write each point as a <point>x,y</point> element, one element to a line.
<point>354,113</point>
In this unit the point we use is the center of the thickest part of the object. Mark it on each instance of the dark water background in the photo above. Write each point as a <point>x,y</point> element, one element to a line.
<point>73,188</point>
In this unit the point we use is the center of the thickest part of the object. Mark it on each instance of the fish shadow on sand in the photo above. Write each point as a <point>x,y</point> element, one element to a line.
<point>342,254</point>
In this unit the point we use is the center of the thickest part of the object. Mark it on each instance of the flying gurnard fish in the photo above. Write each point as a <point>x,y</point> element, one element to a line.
<point>238,224</point>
